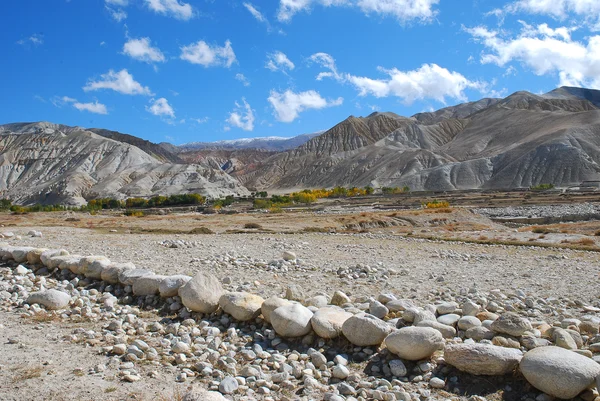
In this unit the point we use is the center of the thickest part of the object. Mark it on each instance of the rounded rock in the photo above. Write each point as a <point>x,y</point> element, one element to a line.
<point>414,343</point>
<point>512,324</point>
<point>482,359</point>
<point>327,322</point>
<point>169,286</point>
<point>243,306</point>
<point>51,299</point>
<point>292,320</point>
<point>201,293</point>
<point>559,372</point>
<point>364,330</point>
<point>270,305</point>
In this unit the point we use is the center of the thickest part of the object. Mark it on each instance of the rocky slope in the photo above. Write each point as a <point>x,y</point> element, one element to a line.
<point>270,143</point>
<point>50,163</point>
<point>519,141</point>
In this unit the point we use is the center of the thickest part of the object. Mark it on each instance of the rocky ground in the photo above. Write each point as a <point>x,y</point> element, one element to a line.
<point>112,341</point>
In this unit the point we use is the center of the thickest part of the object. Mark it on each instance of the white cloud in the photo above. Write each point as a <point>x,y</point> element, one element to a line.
<point>403,10</point>
<point>545,51</point>
<point>35,39</point>
<point>242,116</point>
<point>120,3</point>
<point>173,8</point>
<point>161,107</point>
<point>255,13</point>
<point>121,82</point>
<point>200,120</point>
<point>242,78</point>
<point>430,81</point>
<point>117,14</point>
<point>95,107</point>
<point>555,8</point>
<point>142,50</point>
<point>287,106</point>
<point>278,61</point>
<point>208,56</point>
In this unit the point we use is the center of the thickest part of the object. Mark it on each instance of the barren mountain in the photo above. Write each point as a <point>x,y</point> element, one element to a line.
<point>270,143</point>
<point>51,163</point>
<point>152,149</point>
<point>519,141</point>
<point>232,161</point>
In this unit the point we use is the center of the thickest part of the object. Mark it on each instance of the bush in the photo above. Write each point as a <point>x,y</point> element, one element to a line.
<point>134,213</point>
<point>436,205</point>
<point>252,226</point>
<point>542,187</point>
<point>5,204</point>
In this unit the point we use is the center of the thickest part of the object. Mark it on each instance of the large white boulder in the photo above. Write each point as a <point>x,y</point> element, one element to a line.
<point>364,329</point>
<point>482,359</point>
<point>243,306</point>
<point>201,293</point>
<point>19,253</point>
<point>559,372</point>
<point>111,273</point>
<point>512,324</point>
<point>47,255</point>
<point>327,322</point>
<point>92,266</point>
<point>70,263</point>
<point>34,256</point>
<point>292,320</point>
<point>147,285</point>
<point>271,304</point>
<point>128,277</point>
<point>51,299</point>
<point>414,343</point>
<point>169,287</point>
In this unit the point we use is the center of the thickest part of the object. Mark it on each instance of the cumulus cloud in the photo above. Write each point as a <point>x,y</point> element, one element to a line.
<point>242,116</point>
<point>430,81</point>
<point>288,105</point>
<point>161,108</point>
<point>142,50</point>
<point>204,54</point>
<point>278,61</point>
<point>122,82</point>
<point>242,78</point>
<point>117,14</point>
<point>545,51</point>
<point>96,107</point>
<point>403,10</point>
<point>172,8</point>
<point>559,9</point>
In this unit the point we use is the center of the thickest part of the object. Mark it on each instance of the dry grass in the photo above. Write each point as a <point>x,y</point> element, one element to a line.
<point>46,317</point>
<point>26,372</point>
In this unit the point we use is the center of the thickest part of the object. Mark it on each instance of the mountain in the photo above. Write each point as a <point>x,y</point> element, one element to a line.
<point>152,149</point>
<point>51,163</point>
<point>270,143</point>
<point>519,141</point>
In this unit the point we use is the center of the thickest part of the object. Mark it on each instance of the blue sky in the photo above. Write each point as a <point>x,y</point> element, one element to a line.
<point>203,70</point>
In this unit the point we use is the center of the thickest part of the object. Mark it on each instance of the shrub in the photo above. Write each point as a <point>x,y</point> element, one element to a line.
<point>540,230</point>
<point>436,205</point>
<point>134,213</point>
<point>5,204</point>
<point>252,226</point>
<point>542,187</point>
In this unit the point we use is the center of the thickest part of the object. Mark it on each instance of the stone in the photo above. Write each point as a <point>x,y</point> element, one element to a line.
<point>364,329</point>
<point>339,298</point>
<point>318,359</point>
<point>446,308</point>
<point>340,372</point>
<point>563,339</point>
<point>289,256</point>
<point>243,306</point>
<point>92,266</point>
<point>450,319</point>
<point>47,255</point>
<point>400,305</point>
<point>147,285</point>
<point>201,293</point>
<point>292,320</point>
<point>482,359</point>
<point>318,301</point>
<point>436,382</point>
<point>470,308</point>
<point>327,322</point>
<point>559,372</point>
<point>127,277</point>
<point>228,385</point>
<point>111,273</point>
<point>51,299</point>
<point>378,309</point>
<point>199,394</point>
<point>447,331</point>
<point>414,343</point>
<point>398,368</point>
<point>19,254</point>
<point>466,322</point>
<point>270,305</point>
<point>169,286</point>
<point>512,324</point>
<point>479,333</point>
<point>21,270</point>
<point>70,263</point>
